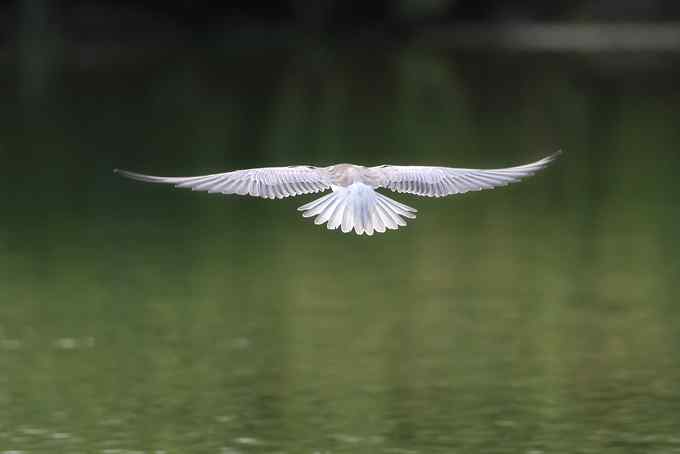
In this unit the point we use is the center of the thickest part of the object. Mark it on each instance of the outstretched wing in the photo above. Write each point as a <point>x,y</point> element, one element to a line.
<point>268,182</point>
<point>442,181</point>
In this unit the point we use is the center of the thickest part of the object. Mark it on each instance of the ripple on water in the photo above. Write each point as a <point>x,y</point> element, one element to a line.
<point>240,343</point>
<point>111,422</point>
<point>353,439</point>
<point>248,441</point>
<point>33,431</point>
<point>61,436</point>
<point>72,343</point>
<point>128,451</point>
<point>344,438</point>
<point>10,344</point>
<point>225,418</point>
<point>229,450</point>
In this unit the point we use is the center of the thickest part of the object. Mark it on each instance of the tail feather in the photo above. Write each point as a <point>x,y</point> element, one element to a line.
<point>336,218</point>
<point>358,207</point>
<point>328,210</point>
<point>392,215</point>
<point>348,217</point>
<point>378,224</point>
<point>364,215</point>
<point>313,203</point>
<point>318,206</point>
<point>399,208</point>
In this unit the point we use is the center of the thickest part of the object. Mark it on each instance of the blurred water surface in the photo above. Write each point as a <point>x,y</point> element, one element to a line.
<point>540,317</point>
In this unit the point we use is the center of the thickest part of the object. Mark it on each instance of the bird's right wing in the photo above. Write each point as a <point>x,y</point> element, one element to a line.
<point>267,182</point>
<point>442,181</point>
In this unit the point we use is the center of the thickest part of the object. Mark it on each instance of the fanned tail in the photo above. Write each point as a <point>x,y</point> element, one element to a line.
<point>358,207</point>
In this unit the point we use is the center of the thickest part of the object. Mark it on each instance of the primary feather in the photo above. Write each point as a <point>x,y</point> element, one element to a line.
<point>267,182</point>
<point>442,181</point>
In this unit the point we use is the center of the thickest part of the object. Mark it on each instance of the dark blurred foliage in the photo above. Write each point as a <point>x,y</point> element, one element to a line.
<point>84,20</point>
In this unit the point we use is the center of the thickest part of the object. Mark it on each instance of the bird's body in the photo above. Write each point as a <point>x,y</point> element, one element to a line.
<point>354,203</point>
<point>347,174</point>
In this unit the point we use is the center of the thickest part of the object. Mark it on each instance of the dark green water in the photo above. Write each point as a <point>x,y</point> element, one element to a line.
<point>537,318</point>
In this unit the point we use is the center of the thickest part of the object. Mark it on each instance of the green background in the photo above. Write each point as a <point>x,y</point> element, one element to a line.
<point>540,317</point>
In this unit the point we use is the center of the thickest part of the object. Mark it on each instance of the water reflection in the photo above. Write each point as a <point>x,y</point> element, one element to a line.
<point>537,318</point>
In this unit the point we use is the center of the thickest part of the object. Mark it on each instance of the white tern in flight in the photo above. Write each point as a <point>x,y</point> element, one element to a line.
<point>354,203</point>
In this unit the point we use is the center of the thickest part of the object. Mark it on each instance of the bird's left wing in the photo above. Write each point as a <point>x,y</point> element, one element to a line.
<point>442,181</point>
<point>267,182</point>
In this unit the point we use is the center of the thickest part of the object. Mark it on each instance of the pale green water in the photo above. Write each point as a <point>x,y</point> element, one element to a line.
<point>541,317</point>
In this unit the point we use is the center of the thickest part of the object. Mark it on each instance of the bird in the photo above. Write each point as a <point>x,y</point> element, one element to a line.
<point>354,204</point>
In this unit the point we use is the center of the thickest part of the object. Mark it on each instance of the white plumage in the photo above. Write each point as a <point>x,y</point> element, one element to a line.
<point>354,203</point>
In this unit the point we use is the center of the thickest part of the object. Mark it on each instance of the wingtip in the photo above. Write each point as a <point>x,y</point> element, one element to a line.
<point>133,175</point>
<point>549,159</point>
<point>124,173</point>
